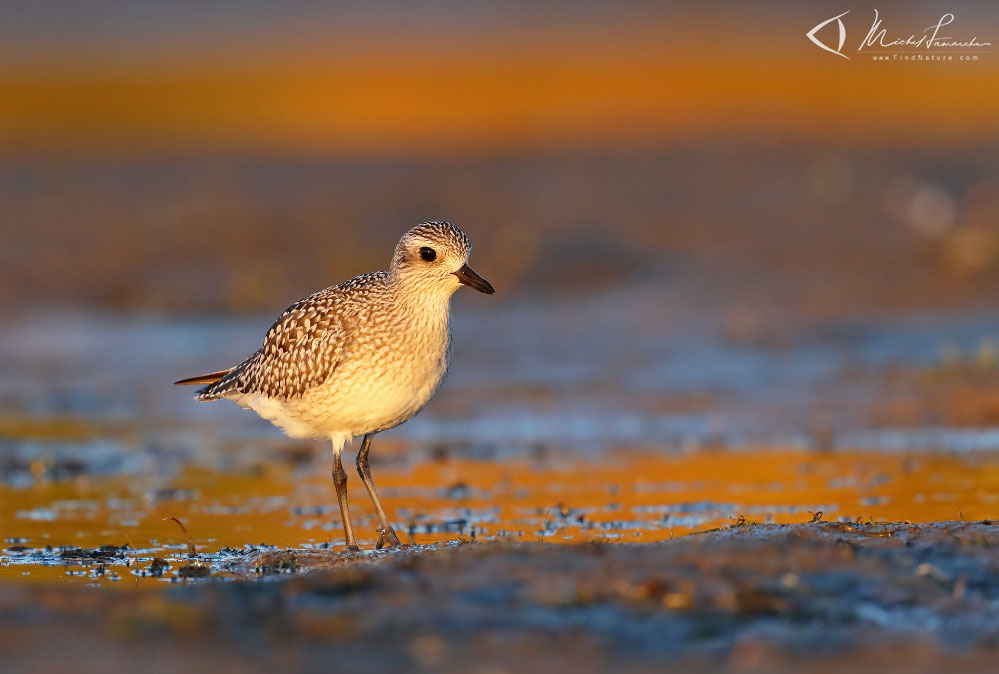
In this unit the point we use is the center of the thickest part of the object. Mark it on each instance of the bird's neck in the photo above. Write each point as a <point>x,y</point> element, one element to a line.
<point>425,306</point>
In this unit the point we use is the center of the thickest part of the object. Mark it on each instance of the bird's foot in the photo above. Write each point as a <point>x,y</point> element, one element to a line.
<point>353,547</point>
<point>387,539</point>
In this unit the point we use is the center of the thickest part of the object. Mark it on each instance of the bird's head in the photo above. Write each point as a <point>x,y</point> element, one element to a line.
<point>434,255</point>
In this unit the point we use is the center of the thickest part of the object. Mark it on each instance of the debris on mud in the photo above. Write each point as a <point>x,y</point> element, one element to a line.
<point>158,566</point>
<point>103,553</point>
<point>194,569</point>
<point>191,550</point>
<point>886,596</point>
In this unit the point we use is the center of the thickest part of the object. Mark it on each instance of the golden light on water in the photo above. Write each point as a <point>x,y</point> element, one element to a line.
<point>627,497</point>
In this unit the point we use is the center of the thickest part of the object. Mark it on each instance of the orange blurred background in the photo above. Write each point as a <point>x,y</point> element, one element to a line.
<point>730,156</point>
<point>471,77</point>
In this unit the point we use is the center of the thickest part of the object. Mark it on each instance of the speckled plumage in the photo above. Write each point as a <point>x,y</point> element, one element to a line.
<point>359,357</point>
<point>356,358</point>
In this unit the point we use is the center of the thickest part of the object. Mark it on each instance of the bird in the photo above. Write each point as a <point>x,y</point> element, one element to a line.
<point>358,358</point>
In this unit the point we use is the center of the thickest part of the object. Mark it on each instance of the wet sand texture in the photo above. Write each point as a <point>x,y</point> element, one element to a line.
<point>812,597</point>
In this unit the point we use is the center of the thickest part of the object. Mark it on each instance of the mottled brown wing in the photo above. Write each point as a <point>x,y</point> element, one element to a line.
<point>301,350</point>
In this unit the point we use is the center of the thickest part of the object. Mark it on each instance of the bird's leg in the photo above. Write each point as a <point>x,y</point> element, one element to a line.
<point>340,483</point>
<point>386,534</point>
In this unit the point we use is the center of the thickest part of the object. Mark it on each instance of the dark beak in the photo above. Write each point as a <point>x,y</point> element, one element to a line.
<point>468,277</point>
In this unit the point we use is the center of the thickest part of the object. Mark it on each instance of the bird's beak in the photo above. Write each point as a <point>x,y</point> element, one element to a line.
<point>468,277</point>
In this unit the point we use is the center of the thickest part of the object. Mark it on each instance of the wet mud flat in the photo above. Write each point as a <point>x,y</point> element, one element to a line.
<point>819,597</point>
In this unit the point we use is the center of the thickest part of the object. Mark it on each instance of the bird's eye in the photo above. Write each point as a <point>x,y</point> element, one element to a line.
<point>428,254</point>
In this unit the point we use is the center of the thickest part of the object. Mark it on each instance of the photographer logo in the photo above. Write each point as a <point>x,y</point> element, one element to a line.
<point>932,43</point>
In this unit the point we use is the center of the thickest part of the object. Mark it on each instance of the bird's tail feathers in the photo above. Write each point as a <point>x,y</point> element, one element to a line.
<point>204,379</point>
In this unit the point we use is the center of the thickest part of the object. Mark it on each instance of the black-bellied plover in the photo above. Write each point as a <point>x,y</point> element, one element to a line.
<point>360,357</point>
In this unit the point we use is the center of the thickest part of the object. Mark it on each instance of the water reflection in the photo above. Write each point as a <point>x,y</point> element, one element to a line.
<point>555,497</point>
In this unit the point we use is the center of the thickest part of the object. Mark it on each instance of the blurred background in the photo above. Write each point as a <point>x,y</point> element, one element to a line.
<point>704,230</point>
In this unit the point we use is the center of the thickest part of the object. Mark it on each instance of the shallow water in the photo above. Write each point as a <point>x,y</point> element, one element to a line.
<point>627,496</point>
<point>543,433</point>
<point>659,422</point>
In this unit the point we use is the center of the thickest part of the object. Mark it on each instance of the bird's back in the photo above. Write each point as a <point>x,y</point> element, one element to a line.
<point>354,358</point>
<point>305,344</point>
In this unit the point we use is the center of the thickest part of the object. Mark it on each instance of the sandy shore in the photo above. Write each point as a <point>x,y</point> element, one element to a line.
<point>890,597</point>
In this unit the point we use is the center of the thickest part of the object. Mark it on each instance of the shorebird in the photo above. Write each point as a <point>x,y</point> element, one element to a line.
<point>358,358</point>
